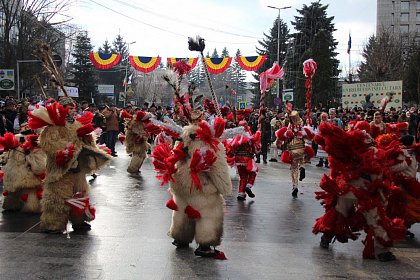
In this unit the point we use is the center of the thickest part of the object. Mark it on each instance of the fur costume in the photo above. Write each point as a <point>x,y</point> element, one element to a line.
<point>242,150</point>
<point>294,136</point>
<point>198,177</point>
<point>71,155</point>
<point>136,138</point>
<point>402,160</point>
<point>24,171</point>
<point>355,193</point>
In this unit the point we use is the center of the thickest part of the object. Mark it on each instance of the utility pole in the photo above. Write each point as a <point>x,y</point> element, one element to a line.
<point>126,71</point>
<point>278,42</point>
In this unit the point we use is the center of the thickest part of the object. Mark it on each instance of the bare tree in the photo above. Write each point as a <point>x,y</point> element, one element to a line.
<point>26,21</point>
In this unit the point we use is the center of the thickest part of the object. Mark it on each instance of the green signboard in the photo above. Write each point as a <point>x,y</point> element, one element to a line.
<point>7,79</point>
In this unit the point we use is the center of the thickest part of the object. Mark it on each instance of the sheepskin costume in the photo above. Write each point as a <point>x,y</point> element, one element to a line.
<point>24,171</point>
<point>71,155</point>
<point>136,138</point>
<point>356,192</point>
<point>198,176</point>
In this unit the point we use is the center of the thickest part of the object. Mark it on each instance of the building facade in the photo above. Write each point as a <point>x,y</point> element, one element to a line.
<point>399,17</point>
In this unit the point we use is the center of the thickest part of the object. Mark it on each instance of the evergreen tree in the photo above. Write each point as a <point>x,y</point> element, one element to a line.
<point>82,68</point>
<point>215,54</point>
<point>105,48</point>
<point>312,20</point>
<point>239,75</point>
<point>107,77</point>
<point>268,46</point>
<point>119,46</point>
<point>197,75</point>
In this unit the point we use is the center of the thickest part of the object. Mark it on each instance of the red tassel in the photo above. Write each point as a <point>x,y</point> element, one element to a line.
<point>5,193</point>
<point>280,133</point>
<point>1,176</point>
<point>9,141</point>
<point>326,223</point>
<point>35,122</point>
<point>257,137</point>
<point>171,204</point>
<point>219,255</point>
<point>219,127</point>
<point>39,193</point>
<point>289,134</point>
<point>125,115</point>
<point>57,113</point>
<point>310,153</point>
<point>41,176</point>
<point>24,197</point>
<point>85,130</point>
<point>369,250</point>
<point>309,133</point>
<point>86,118</point>
<point>286,157</point>
<point>192,213</point>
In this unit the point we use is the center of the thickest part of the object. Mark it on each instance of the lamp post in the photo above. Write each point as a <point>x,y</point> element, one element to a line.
<point>126,72</point>
<point>278,42</point>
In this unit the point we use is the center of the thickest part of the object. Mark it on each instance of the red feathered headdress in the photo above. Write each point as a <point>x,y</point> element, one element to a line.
<point>9,141</point>
<point>54,114</point>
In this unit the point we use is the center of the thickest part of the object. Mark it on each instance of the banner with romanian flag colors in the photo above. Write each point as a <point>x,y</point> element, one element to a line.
<point>145,64</point>
<point>191,61</point>
<point>251,63</point>
<point>104,60</point>
<point>218,65</point>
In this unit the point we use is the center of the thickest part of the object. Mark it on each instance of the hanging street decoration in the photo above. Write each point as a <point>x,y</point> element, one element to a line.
<point>192,61</point>
<point>145,64</point>
<point>218,65</point>
<point>104,60</point>
<point>251,63</point>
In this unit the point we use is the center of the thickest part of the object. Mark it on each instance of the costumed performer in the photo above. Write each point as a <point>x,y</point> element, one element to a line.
<point>355,193</point>
<point>243,148</point>
<point>198,177</point>
<point>71,154</point>
<point>294,136</point>
<point>24,170</point>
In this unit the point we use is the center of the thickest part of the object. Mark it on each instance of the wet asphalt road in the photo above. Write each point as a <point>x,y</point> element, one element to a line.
<point>268,237</point>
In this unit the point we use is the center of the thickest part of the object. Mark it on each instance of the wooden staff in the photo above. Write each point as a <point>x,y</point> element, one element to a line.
<point>199,45</point>
<point>43,52</point>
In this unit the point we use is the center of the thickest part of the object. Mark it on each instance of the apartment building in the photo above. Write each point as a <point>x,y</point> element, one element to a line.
<point>400,17</point>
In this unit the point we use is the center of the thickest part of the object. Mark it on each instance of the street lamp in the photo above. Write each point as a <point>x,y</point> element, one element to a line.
<point>126,71</point>
<point>278,42</point>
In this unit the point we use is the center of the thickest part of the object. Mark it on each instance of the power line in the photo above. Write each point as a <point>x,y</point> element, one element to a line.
<point>184,21</point>
<point>166,30</point>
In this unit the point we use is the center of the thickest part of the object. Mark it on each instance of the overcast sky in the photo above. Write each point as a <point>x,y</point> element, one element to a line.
<point>161,27</point>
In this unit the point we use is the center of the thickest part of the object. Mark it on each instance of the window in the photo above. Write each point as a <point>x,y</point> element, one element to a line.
<point>392,18</point>
<point>418,28</point>
<point>404,17</point>
<point>404,28</point>
<point>405,5</point>
<point>417,16</point>
<point>418,4</point>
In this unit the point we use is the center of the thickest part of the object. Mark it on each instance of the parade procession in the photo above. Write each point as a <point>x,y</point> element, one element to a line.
<point>285,163</point>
